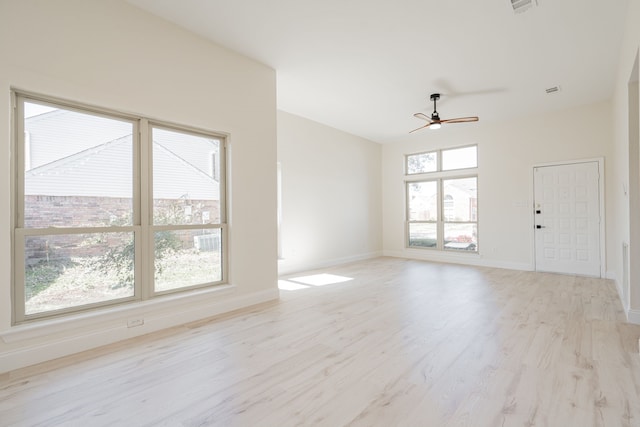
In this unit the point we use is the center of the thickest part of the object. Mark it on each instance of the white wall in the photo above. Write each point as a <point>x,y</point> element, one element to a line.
<point>618,201</point>
<point>110,54</point>
<point>507,152</point>
<point>331,199</point>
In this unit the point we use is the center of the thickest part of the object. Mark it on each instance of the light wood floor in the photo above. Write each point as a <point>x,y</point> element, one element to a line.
<point>405,343</point>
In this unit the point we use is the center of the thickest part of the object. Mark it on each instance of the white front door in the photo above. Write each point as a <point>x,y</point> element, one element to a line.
<point>567,218</point>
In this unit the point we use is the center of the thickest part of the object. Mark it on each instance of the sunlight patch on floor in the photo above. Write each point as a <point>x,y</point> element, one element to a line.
<point>285,285</point>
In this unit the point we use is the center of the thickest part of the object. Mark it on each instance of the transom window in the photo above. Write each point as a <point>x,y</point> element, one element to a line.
<point>442,199</point>
<point>111,208</point>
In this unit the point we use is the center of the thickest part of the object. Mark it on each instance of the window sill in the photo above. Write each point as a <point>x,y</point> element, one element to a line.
<point>442,251</point>
<point>443,255</point>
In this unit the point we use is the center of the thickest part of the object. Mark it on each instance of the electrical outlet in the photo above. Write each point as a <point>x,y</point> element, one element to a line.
<point>132,323</point>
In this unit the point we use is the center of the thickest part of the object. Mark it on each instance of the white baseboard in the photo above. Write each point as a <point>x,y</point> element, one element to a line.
<point>633,316</point>
<point>625,305</point>
<point>286,266</point>
<point>33,343</point>
<point>458,258</point>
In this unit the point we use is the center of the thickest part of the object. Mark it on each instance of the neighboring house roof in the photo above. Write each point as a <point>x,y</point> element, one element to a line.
<point>175,178</point>
<point>105,169</point>
<point>102,171</point>
<point>62,133</point>
<point>195,150</point>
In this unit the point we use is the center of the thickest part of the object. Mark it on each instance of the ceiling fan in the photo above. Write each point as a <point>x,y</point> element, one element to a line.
<point>434,122</point>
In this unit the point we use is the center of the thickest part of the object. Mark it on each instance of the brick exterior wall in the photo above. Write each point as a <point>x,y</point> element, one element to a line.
<point>75,211</point>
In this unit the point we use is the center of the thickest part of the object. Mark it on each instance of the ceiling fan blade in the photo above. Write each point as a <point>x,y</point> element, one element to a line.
<point>422,116</point>
<point>461,120</point>
<point>421,127</point>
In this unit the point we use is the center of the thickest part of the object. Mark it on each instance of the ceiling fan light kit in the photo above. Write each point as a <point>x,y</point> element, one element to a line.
<point>435,122</point>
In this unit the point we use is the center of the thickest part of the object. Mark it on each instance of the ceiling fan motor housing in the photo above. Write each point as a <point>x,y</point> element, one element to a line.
<point>435,116</point>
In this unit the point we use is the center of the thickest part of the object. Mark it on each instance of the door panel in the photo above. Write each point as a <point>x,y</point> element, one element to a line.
<point>567,218</point>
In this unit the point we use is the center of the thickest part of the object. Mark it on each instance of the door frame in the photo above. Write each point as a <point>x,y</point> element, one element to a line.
<point>601,198</point>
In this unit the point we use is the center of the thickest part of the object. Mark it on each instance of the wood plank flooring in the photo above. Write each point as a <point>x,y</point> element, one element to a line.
<point>402,343</point>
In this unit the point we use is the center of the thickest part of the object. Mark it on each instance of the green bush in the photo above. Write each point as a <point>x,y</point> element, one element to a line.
<point>425,242</point>
<point>119,261</point>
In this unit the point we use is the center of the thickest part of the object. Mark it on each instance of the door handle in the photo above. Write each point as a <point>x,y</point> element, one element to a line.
<point>540,226</point>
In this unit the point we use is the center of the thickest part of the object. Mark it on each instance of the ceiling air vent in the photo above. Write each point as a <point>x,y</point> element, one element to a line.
<point>520,6</point>
<point>553,89</point>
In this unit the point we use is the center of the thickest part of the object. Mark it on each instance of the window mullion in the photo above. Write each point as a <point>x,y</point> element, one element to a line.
<point>19,277</point>
<point>440,226</point>
<point>223,181</point>
<point>20,165</point>
<point>17,217</point>
<point>143,204</point>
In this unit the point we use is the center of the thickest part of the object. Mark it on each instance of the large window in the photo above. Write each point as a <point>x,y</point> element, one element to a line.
<point>111,208</point>
<point>442,199</point>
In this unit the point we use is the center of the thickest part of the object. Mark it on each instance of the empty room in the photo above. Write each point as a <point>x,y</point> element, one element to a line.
<point>289,213</point>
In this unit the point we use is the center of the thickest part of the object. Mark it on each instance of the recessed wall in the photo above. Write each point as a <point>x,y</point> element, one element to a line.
<point>507,152</point>
<point>330,193</point>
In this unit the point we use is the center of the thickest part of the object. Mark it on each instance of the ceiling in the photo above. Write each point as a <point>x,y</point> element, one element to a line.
<point>366,66</point>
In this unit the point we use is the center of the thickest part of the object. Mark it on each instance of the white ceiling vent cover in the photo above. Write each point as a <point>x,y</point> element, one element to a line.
<point>520,6</point>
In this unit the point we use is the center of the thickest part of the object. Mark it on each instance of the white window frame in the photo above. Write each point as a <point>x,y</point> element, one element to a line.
<point>439,176</point>
<point>142,215</point>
